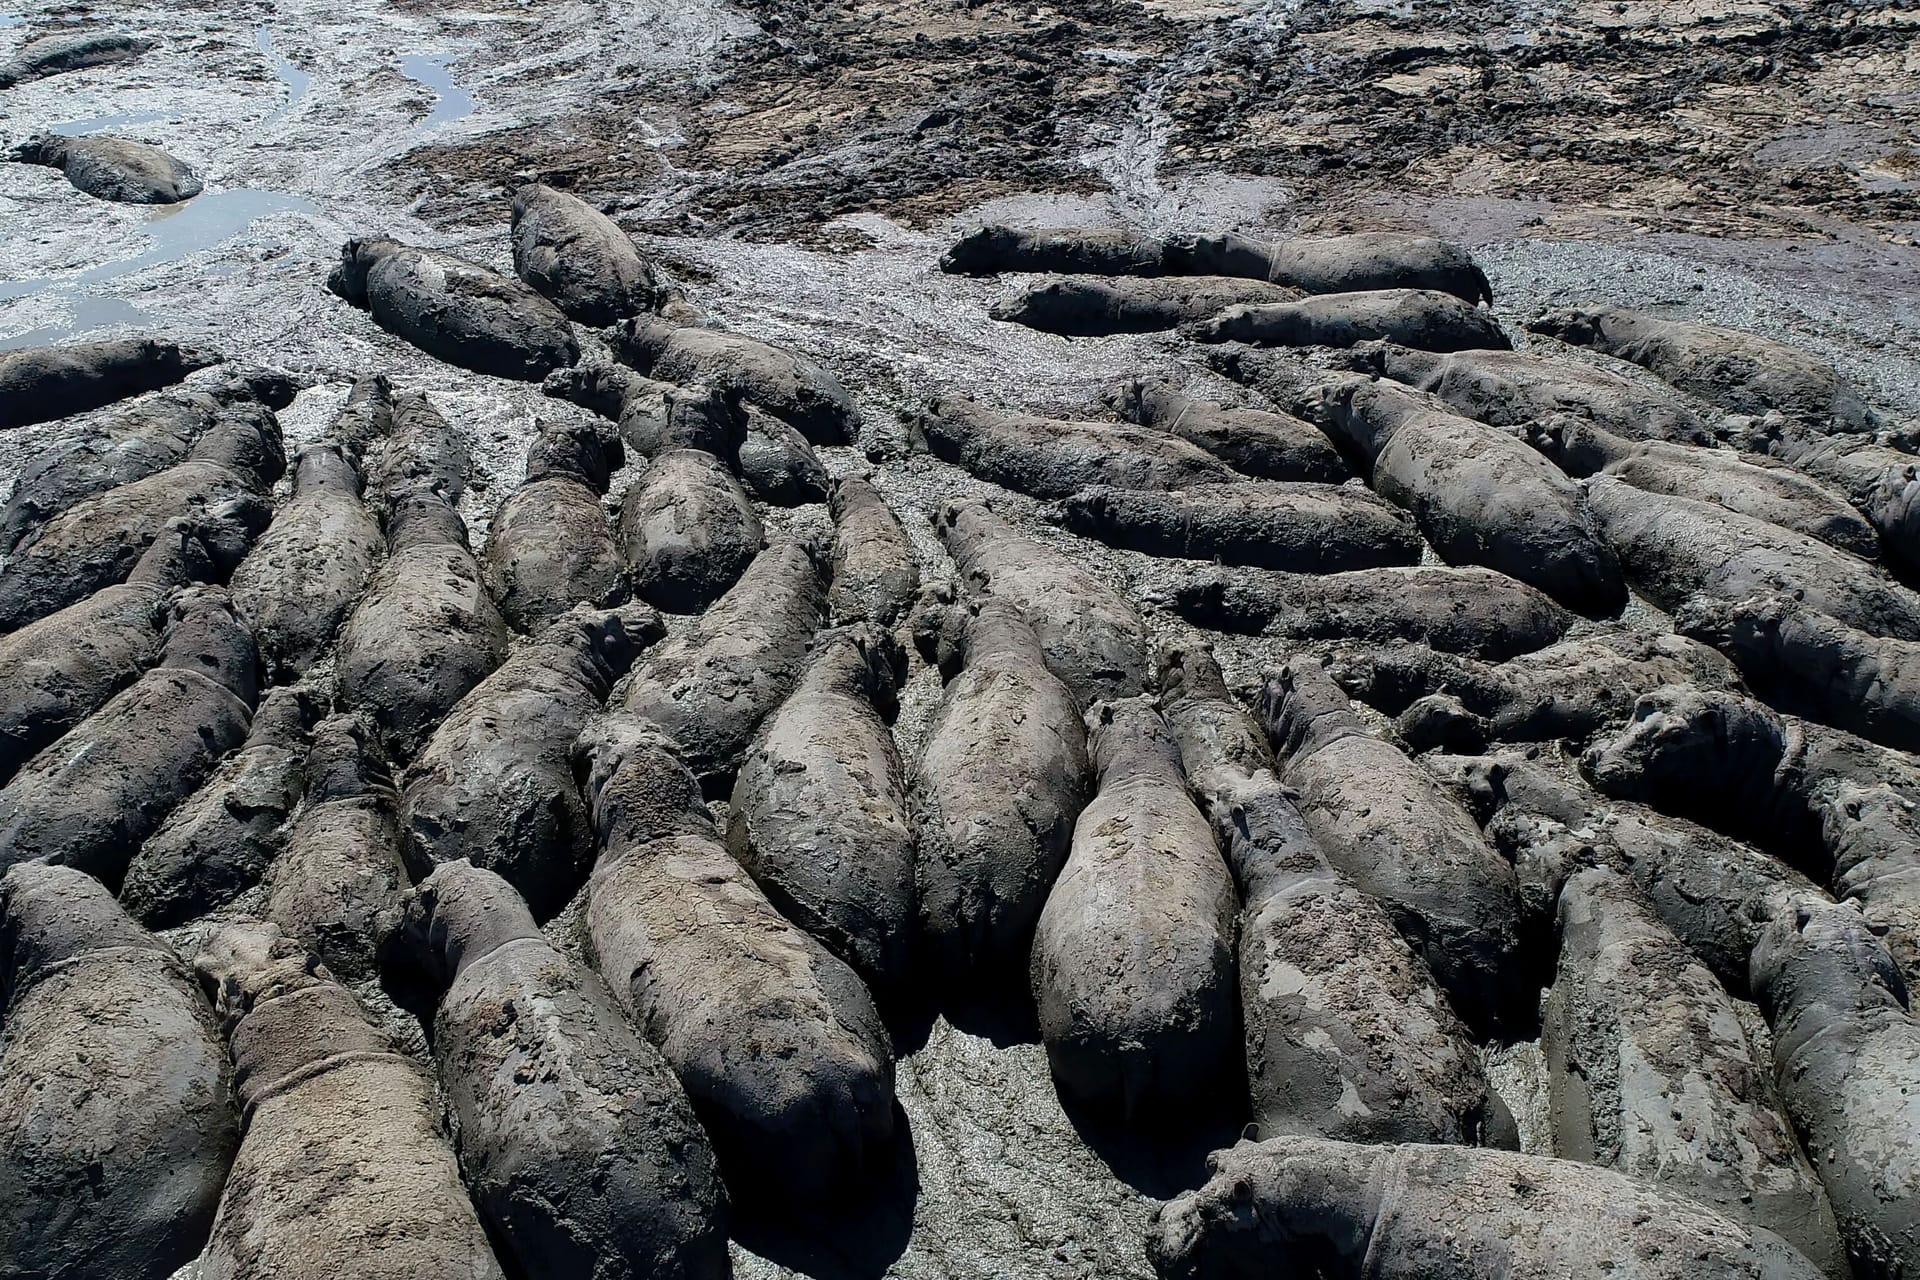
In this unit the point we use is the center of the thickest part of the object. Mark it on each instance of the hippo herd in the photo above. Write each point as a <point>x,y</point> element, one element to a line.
<point>283,699</point>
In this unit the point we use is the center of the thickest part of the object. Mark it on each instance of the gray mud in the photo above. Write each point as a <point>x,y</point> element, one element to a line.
<point>799,174</point>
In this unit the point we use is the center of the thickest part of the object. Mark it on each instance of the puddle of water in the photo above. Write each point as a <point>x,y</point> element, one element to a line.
<point>88,314</point>
<point>290,75</point>
<point>176,232</point>
<point>435,71</point>
<point>11,20</point>
<point>94,124</point>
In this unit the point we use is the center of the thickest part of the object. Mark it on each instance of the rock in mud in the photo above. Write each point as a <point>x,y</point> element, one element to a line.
<point>1088,306</point>
<point>310,566</point>
<point>1001,775</point>
<point>1844,808</point>
<point>96,542</point>
<point>1346,1036</point>
<point>455,310</point>
<point>113,168</point>
<point>1093,637</point>
<point>340,865</point>
<point>1673,548</point>
<point>1567,690</point>
<point>710,684</point>
<point>1418,318</point>
<point>90,798</point>
<point>1272,524</point>
<point>1846,1054</point>
<point>495,785</point>
<point>1479,495</point>
<point>1772,492</point>
<point>40,384</point>
<point>222,838</point>
<point>581,1149</point>
<point>1051,458</point>
<point>59,670</point>
<point>875,573</point>
<point>573,254</point>
<point>1738,371</point>
<point>425,632</point>
<point>775,462</point>
<point>1513,388</point>
<point>1255,442</point>
<point>116,1122</point>
<point>1421,1212</point>
<point>1804,662</point>
<point>1650,1073</point>
<point>70,51</point>
<point>819,811</point>
<point>784,383</point>
<point>1133,956</point>
<point>687,531</point>
<point>1472,611</point>
<point>1389,827</point>
<point>343,1156</point>
<point>549,546</point>
<point>776,1042</point>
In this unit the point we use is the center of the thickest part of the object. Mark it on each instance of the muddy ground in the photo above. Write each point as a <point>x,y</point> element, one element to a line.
<point>799,166</point>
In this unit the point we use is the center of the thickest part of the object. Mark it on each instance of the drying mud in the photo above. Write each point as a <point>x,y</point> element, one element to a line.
<point>795,168</point>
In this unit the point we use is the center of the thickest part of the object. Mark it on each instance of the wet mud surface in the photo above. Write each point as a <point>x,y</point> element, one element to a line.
<point>799,167</point>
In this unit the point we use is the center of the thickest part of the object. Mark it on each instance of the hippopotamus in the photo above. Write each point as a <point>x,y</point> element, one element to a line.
<point>343,1155</point>
<point>572,253</point>
<point>1051,458</point>
<point>113,168</point>
<point>819,814</point>
<point>455,310</point>
<point>582,1150</point>
<point>39,384</point>
<point>1133,955</point>
<point>116,1115</point>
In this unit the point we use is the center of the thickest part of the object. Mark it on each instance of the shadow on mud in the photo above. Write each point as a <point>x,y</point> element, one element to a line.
<point>995,1007</point>
<point>856,1240</point>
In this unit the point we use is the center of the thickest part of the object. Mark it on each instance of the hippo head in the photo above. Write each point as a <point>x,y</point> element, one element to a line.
<point>610,638</point>
<point>1200,595</point>
<point>979,253</point>
<point>584,451</point>
<point>345,760</point>
<point>205,635</point>
<point>1814,951</point>
<point>457,915</point>
<point>1707,752</point>
<point>1187,669</point>
<point>250,961</point>
<point>357,258</point>
<point>635,782</point>
<point>1751,626</point>
<point>46,148</point>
